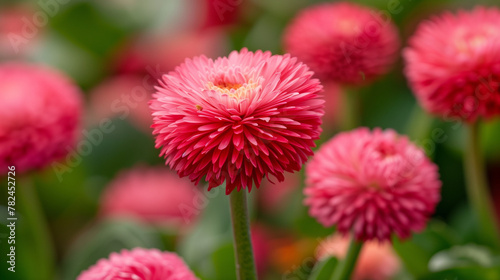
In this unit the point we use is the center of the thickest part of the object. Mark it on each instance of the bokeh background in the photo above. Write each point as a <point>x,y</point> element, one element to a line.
<point>115,51</point>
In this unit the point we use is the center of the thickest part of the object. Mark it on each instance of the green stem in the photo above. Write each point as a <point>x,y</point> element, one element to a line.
<point>477,188</point>
<point>419,124</point>
<point>347,265</point>
<point>351,117</point>
<point>245,265</point>
<point>35,231</point>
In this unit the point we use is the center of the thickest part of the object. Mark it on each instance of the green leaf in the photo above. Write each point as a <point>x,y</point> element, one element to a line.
<point>211,232</point>
<point>309,226</point>
<point>416,252</point>
<point>223,262</point>
<point>323,270</point>
<point>87,27</point>
<point>465,273</point>
<point>490,132</point>
<point>107,237</point>
<point>460,256</point>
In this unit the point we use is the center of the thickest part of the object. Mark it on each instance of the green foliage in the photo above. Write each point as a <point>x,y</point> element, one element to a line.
<point>323,270</point>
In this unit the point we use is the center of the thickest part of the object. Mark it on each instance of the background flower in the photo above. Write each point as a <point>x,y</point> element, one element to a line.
<point>153,194</point>
<point>39,116</point>
<point>453,64</point>
<point>344,42</point>
<point>124,96</point>
<point>377,261</point>
<point>374,184</point>
<point>140,264</point>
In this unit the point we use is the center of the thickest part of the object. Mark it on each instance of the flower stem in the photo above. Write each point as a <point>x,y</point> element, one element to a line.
<point>347,265</point>
<point>245,264</point>
<point>351,111</point>
<point>419,125</point>
<point>477,188</point>
<point>35,232</point>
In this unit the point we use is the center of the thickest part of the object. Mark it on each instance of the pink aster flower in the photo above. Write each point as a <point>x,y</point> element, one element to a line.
<point>154,194</point>
<point>344,42</point>
<point>139,264</point>
<point>377,261</point>
<point>39,116</point>
<point>238,118</point>
<point>373,184</point>
<point>453,64</point>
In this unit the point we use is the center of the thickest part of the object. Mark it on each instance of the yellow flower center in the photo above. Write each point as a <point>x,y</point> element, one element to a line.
<point>235,90</point>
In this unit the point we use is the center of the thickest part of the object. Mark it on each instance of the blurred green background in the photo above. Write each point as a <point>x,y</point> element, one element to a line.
<point>99,43</point>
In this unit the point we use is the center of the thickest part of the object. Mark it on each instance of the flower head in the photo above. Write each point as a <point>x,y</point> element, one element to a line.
<point>238,118</point>
<point>377,261</point>
<point>139,264</point>
<point>373,184</point>
<point>343,42</point>
<point>153,194</point>
<point>39,116</point>
<point>453,64</point>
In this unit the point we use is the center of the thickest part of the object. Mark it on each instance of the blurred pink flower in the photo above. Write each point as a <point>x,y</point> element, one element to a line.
<point>374,184</point>
<point>170,52</point>
<point>40,111</point>
<point>18,32</point>
<point>139,264</point>
<point>377,261</point>
<point>238,118</point>
<point>453,64</point>
<point>158,55</point>
<point>153,194</point>
<point>218,13</point>
<point>273,196</point>
<point>343,42</point>
<point>123,96</point>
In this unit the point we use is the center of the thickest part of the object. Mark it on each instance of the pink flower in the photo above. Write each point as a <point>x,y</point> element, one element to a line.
<point>123,96</point>
<point>39,116</point>
<point>373,184</point>
<point>377,261</point>
<point>18,31</point>
<point>155,56</point>
<point>154,194</point>
<point>453,64</point>
<point>218,13</point>
<point>344,42</point>
<point>238,118</point>
<point>139,264</point>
